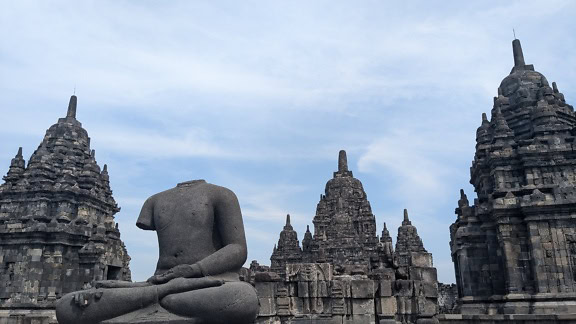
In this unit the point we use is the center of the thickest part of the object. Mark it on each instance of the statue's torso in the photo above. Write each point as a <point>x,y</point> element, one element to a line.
<point>185,225</point>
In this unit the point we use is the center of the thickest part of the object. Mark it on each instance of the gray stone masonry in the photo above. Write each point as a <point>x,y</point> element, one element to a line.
<point>344,273</point>
<point>57,229</point>
<point>514,247</point>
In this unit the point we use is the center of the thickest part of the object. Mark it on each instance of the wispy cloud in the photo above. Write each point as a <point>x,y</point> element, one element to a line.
<point>259,96</point>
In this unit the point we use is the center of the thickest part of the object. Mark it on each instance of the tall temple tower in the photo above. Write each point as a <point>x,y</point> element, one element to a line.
<point>57,229</point>
<point>344,272</point>
<point>514,248</point>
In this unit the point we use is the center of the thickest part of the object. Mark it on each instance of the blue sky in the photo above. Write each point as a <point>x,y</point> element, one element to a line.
<point>259,96</point>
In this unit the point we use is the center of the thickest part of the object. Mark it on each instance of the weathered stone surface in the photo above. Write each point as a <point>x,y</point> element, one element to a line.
<point>514,247</point>
<point>202,249</point>
<point>344,273</point>
<point>57,228</point>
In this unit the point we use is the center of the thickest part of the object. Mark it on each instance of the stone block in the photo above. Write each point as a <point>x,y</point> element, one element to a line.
<point>309,272</point>
<point>360,319</point>
<point>421,259</point>
<point>386,288</point>
<point>423,274</point>
<point>387,306</point>
<point>404,288</point>
<point>406,305</point>
<point>317,320</point>
<point>303,289</point>
<point>362,306</point>
<point>265,289</point>
<point>267,306</point>
<point>427,306</point>
<point>340,288</point>
<point>363,288</point>
<point>430,289</point>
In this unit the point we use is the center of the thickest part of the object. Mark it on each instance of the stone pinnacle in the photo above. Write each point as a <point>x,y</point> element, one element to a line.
<point>72,107</point>
<point>518,54</point>
<point>406,220</point>
<point>342,161</point>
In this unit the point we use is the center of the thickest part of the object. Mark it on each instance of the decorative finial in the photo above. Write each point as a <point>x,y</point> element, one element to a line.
<point>72,107</point>
<point>555,87</point>
<point>484,117</point>
<point>406,219</point>
<point>308,228</point>
<point>93,154</point>
<point>105,169</point>
<point>518,54</point>
<point>342,161</point>
<point>19,154</point>
<point>462,194</point>
<point>287,219</point>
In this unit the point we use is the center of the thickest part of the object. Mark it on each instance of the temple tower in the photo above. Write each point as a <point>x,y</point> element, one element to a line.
<point>345,273</point>
<point>514,248</point>
<point>57,229</point>
<point>288,249</point>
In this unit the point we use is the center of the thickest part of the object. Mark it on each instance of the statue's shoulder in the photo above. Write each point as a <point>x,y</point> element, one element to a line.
<point>220,192</point>
<point>161,195</point>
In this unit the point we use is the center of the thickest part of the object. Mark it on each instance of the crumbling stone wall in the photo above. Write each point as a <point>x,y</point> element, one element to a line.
<point>447,298</point>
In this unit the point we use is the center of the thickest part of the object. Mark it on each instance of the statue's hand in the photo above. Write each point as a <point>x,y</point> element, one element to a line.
<point>179,271</point>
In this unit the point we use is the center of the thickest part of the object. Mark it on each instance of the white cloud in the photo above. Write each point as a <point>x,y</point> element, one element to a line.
<point>258,87</point>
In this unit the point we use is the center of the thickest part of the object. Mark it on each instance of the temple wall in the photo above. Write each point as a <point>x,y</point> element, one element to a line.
<point>312,294</point>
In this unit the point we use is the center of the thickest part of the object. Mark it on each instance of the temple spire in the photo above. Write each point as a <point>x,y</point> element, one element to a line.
<point>72,107</point>
<point>287,219</point>
<point>19,154</point>
<point>342,161</point>
<point>518,54</point>
<point>406,220</point>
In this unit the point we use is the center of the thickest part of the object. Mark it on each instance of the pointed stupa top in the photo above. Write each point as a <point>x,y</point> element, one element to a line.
<point>385,232</point>
<point>500,125</point>
<point>406,220</point>
<point>463,201</point>
<point>288,220</point>
<point>307,228</point>
<point>408,239</point>
<point>19,154</point>
<point>72,107</point>
<point>342,161</point>
<point>518,53</point>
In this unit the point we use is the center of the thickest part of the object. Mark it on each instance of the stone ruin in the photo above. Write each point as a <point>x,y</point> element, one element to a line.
<point>57,229</point>
<point>344,272</point>
<point>514,248</point>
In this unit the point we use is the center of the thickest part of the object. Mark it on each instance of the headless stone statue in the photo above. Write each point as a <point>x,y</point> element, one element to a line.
<point>202,248</point>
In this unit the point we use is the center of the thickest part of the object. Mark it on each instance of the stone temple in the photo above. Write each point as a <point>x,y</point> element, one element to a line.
<point>344,272</point>
<point>57,229</point>
<point>514,247</point>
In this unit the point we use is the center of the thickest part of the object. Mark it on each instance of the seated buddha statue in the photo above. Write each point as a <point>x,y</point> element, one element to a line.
<point>202,247</point>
